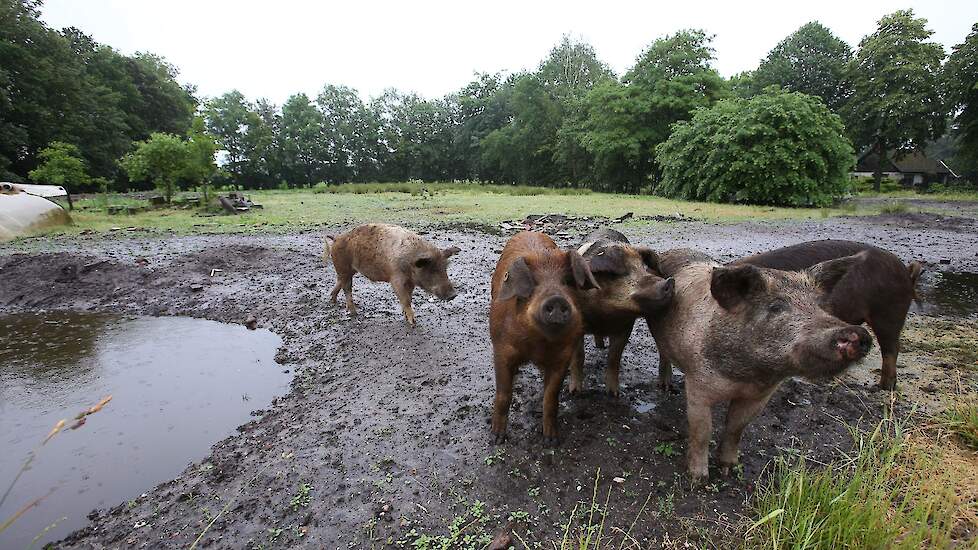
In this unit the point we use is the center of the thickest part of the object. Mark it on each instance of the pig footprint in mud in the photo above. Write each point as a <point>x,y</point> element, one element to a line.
<point>392,254</point>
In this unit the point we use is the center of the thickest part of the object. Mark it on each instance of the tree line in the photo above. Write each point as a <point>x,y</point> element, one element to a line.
<point>570,122</point>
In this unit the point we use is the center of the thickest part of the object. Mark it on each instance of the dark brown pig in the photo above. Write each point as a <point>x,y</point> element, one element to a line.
<point>534,317</point>
<point>877,290</point>
<point>629,288</point>
<point>391,254</point>
<point>738,332</point>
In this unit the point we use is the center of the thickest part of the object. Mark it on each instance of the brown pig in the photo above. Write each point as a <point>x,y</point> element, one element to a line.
<point>876,291</point>
<point>534,317</point>
<point>391,254</point>
<point>738,332</point>
<point>630,288</point>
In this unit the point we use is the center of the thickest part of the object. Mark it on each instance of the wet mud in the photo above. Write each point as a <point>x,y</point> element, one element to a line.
<point>384,438</point>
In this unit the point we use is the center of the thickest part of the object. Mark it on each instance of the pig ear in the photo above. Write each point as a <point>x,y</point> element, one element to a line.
<point>583,277</point>
<point>828,273</point>
<point>731,285</point>
<point>518,281</point>
<point>610,260</point>
<point>649,257</point>
<point>451,251</point>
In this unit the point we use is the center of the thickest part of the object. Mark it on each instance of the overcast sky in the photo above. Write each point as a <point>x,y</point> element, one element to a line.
<point>276,48</point>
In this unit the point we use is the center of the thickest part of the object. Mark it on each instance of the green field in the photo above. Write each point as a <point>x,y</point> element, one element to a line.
<point>301,209</point>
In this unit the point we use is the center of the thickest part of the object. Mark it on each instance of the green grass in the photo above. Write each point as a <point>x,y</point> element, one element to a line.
<point>897,489</point>
<point>417,204</point>
<point>962,419</point>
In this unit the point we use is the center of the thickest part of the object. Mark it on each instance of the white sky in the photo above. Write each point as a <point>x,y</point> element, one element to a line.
<point>275,49</point>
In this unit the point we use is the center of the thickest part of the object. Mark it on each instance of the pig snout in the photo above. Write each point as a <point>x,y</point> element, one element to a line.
<point>449,295</point>
<point>554,312</point>
<point>852,343</point>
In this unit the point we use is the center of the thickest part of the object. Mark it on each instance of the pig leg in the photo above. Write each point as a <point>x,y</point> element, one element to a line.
<point>553,378</point>
<point>403,289</point>
<point>505,365</point>
<point>699,414</point>
<point>665,372</point>
<point>344,280</point>
<point>599,342</point>
<point>739,414</point>
<point>888,335</point>
<point>616,347</point>
<point>577,369</point>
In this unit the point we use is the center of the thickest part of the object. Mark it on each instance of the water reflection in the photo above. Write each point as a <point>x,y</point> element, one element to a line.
<point>178,386</point>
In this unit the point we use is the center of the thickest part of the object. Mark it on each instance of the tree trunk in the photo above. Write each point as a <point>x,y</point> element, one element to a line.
<point>878,174</point>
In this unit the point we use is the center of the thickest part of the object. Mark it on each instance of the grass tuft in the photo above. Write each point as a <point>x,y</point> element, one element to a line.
<point>897,489</point>
<point>962,419</point>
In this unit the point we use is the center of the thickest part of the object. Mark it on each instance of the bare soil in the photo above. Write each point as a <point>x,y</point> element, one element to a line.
<point>388,426</point>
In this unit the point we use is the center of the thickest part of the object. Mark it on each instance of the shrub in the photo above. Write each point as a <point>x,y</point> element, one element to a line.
<point>778,148</point>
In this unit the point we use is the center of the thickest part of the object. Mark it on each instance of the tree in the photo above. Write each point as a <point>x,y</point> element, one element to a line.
<point>810,60</point>
<point>64,86</point>
<point>961,81</point>
<point>625,121</point>
<point>781,148</point>
<point>228,120</point>
<point>300,141</point>
<point>201,147</point>
<point>896,101</point>
<point>61,164</point>
<point>162,159</point>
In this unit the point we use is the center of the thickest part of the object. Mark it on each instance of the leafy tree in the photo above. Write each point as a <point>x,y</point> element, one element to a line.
<point>63,86</point>
<point>783,148</point>
<point>201,147</point>
<point>348,133</point>
<point>162,159</point>
<point>812,61</point>
<point>523,150</point>
<point>300,141</point>
<point>961,80</point>
<point>228,118</point>
<point>61,164</point>
<point>625,121</point>
<point>260,146</point>
<point>896,101</point>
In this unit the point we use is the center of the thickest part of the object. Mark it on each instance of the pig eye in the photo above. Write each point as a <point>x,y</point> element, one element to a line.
<point>777,307</point>
<point>422,262</point>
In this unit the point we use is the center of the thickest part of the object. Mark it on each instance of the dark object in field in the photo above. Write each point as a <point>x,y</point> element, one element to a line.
<point>391,254</point>
<point>533,317</point>
<point>630,288</point>
<point>738,332</point>
<point>236,203</point>
<point>877,290</point>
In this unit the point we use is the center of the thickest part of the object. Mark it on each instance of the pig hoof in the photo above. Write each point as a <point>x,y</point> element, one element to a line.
<point>574,388</point>
<point>699,480</point>
<point>499,438</point>
<point>551,441</point>
<point>889,385</point>
<point>727,468</point>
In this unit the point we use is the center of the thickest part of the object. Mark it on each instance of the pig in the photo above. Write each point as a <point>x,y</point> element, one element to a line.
<point>738,331</point>
<point>534,317</point>
<point>389,253</point>
<point>630,288</point>
<point>876,291</point>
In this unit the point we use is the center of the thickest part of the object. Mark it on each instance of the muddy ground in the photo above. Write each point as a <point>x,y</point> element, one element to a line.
<point>388,426</point>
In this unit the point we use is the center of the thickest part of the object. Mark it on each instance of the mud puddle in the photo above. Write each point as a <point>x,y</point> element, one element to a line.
<point>948,293</point>
<point>178,385</point>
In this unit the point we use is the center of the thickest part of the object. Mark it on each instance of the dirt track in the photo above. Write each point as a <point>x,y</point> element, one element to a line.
<point>389,426</point>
